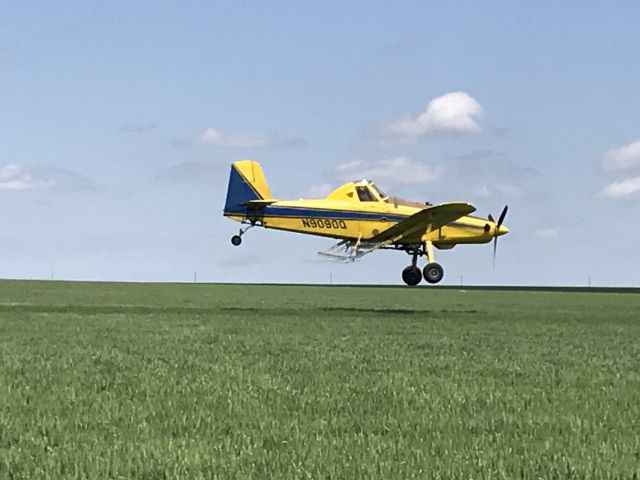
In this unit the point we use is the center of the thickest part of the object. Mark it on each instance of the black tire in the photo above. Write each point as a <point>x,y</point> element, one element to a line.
<point>433,273</point>
<point>412,276</point>
<point>236,240</point>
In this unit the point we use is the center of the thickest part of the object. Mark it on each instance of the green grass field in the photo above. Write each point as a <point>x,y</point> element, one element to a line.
<point>220,381</point>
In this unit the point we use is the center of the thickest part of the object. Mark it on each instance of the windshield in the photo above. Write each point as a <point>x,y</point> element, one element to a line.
<point>365,195</point>
<point>381,194</point>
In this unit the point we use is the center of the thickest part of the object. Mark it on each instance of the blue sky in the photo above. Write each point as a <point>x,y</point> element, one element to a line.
<point>119,121</point>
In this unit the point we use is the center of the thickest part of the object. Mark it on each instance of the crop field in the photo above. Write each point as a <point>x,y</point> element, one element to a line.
<point>165,381</point>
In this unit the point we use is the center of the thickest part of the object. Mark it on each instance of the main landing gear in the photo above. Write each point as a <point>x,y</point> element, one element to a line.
<point>411,275</point>
<point>432,272</point>
<point>236,240</point>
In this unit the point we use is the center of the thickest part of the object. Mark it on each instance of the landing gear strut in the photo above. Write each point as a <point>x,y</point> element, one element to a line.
<point>236,240</point>
<point>432,272</point>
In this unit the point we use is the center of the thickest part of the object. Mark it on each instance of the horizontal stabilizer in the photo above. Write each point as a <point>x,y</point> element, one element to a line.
<point>259,203</point>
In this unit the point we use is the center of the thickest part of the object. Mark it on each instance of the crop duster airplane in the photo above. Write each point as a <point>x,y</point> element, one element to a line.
<point>362,218</point>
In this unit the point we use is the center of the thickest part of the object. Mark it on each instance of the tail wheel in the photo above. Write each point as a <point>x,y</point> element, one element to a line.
<point>433,272</point>
<point>236,240</point>
<point>411,275</point>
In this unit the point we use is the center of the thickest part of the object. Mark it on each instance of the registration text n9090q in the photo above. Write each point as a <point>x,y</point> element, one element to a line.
<point>323,223</point>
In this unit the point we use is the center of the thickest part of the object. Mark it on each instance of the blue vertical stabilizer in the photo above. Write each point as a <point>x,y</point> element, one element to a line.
<point>239,192</point>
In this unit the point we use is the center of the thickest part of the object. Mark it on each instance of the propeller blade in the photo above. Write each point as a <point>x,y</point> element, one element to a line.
<point>495,248</point>
<point>502,215</point>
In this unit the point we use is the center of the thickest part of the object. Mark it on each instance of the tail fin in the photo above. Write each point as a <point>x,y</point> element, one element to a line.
<point>246,183</point>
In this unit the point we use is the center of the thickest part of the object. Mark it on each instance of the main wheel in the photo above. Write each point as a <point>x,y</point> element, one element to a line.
<point>433,272</point>
<point>411,275</point>
<point>236,240</point>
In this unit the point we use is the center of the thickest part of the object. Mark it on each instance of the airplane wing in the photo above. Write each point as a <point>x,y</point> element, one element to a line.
<point>428,219</point>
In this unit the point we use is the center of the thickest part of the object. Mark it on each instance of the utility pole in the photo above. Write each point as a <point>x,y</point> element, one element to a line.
<point>461,279</point>
<point>195,277</point>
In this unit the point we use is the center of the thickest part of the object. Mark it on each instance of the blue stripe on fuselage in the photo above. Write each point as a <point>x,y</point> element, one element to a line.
<point>299,212</point>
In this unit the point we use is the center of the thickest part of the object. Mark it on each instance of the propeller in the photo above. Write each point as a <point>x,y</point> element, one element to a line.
<point>495,238</point>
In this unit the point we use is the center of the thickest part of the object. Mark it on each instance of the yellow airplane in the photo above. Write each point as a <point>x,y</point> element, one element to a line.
<point>363,218</point>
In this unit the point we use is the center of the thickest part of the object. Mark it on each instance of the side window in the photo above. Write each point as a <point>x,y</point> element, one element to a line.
<point>365,195</point>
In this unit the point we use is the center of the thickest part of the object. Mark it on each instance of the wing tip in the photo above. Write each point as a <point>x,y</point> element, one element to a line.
<point>457,206</point>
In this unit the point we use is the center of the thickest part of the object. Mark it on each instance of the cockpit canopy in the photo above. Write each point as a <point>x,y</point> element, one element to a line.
<point>363,191</point>
<point>368,191</point>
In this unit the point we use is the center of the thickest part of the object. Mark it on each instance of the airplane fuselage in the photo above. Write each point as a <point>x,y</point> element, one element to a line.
<point>350,220</point>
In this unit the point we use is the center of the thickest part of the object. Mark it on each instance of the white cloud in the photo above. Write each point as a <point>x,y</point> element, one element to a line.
<point>194,172</point>
<point>623,188</point>
<point>321,191</point>
<point>287,142</point>
<point>501,190</point>
<point>626,157</point>
<point>508,190</point>
<point>213,137</point>
<point>16,177</point>
<point>20,178</point>
<point>482,191</point>
<point>546,232</point>
<point>9,56</point>
<point>137,127</point>
<point>391,172</point>
<point>217,138</point>
<point>455,112</point>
